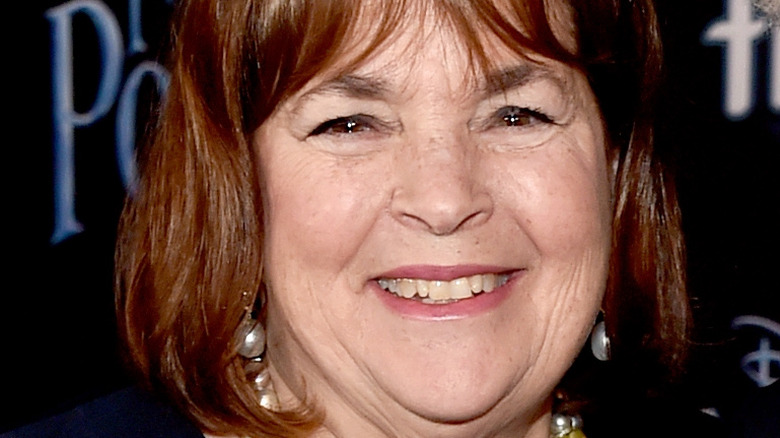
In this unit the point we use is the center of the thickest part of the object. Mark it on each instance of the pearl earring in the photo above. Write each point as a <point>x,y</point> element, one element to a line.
<point>599,342</point>
<point>252,335</point>
<point>252,347</point>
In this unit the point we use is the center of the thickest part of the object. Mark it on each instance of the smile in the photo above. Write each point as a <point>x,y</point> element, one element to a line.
<point>443,292</point>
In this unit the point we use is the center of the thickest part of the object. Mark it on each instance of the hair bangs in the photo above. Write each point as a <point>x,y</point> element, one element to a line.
<point>530,27</point>
<point>295,41</point>
<point>304,39</point>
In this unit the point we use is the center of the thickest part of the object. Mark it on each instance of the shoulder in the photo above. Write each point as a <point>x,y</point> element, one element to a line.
<point>129,413</point>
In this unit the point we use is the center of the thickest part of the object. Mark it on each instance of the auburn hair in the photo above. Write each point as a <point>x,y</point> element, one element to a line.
<point>189,252</point>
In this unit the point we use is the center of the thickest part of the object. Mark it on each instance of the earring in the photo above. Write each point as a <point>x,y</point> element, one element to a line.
<point>252,348</point>
<point>252,335</point>
<point>566,426</point>
<point>599,341</point>
<point>264,387</point>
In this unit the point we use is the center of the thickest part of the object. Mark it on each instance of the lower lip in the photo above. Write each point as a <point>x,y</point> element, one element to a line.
<point>466,308</point>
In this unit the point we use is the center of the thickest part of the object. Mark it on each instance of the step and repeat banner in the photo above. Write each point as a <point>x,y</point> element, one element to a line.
<point>85,77</point>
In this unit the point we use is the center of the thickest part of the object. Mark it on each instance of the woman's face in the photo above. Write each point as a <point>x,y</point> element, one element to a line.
<point>436,246</point>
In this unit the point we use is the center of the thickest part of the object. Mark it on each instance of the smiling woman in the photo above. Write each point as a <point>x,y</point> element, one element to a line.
<point>434,189</point>
<point>401,218</point>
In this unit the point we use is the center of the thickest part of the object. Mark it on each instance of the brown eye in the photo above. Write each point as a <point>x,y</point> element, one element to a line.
<point>344,125</point>
<point>517,116</point>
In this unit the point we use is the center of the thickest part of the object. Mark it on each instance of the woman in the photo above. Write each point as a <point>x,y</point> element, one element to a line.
<point>401,218</point>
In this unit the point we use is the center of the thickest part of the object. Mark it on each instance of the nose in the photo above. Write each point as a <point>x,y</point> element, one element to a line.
<point>439,188</point>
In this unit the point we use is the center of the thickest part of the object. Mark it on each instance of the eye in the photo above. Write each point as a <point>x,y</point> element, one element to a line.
<point>518,116</point>
<point>346,125</point>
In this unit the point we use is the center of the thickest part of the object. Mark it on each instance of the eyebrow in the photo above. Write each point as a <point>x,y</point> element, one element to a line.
<point>359,87</point>
<point>499,81</point>
<point>495,82</point>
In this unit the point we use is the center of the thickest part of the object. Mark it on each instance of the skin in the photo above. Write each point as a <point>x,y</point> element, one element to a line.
<point>437,170</point>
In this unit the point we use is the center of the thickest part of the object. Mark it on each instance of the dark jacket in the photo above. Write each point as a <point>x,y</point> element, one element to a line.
<point>129,413</point>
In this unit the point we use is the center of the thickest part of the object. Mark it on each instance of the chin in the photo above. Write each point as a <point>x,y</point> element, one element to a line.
<point>453,397</point>
<point>451,411</point>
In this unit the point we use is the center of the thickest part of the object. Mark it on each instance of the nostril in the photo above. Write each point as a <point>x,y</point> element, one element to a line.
<point>441,215</point>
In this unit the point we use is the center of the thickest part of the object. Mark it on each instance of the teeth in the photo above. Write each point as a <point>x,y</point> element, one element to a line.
<point>475,283</point>
<point>408,288</point>
<point>460,288</point>
<point>392,286</point>
<point>439,290</point>
<point>489,283</point>
<point>422,288</point>
<point>442,292</point>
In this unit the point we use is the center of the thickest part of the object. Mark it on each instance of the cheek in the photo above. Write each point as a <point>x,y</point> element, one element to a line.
<point>562,200</point>
<point>318,211</point>
<point>576,212</point>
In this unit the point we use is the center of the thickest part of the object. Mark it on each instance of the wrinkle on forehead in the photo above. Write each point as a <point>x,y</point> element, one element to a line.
<point>416,30</point>
<point>389,79</point>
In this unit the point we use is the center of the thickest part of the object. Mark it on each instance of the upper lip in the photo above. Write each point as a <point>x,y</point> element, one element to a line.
<point>444,273</point>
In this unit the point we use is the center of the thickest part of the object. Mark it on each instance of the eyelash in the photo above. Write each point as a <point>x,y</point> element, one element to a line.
<point>510,116</point>
<point>346,125</point>
<point>513,116</point>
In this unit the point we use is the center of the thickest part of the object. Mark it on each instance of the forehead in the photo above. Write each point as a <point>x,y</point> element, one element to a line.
<point>425,35</point>
<point>398,74</point>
